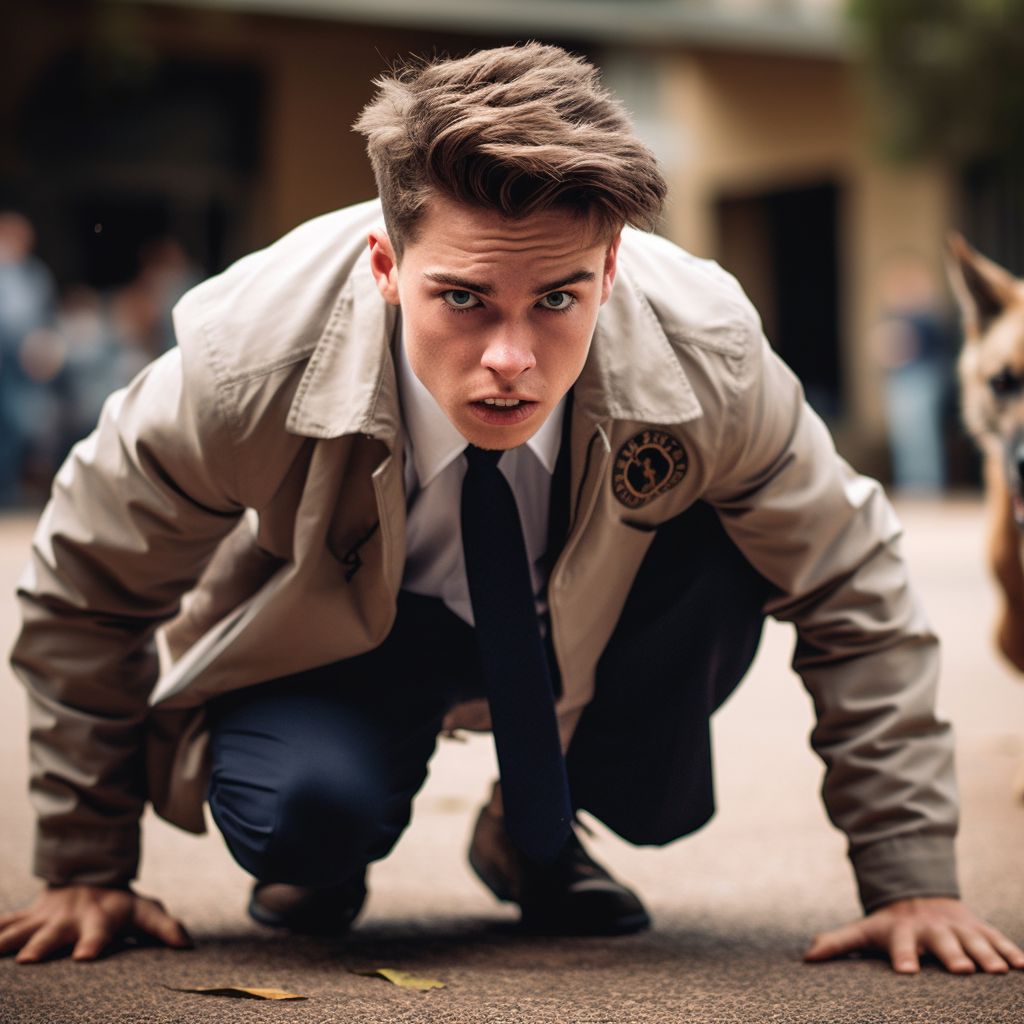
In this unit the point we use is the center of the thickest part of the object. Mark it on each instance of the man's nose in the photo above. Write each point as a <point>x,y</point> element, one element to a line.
<point>510,351</point>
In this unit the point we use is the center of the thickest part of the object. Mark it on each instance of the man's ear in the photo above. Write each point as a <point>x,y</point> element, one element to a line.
<point>384,265</point>
<point>611,261</point>
<point>983,289</point>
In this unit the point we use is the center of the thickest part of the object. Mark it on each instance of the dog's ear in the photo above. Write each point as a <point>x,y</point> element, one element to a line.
<point>983,289</point>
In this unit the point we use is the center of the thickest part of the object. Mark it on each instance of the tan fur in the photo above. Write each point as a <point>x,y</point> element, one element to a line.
<point>991,370</point>
<point>1004,556</point>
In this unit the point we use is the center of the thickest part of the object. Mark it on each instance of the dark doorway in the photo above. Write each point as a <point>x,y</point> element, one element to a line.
<point>993,212</point>
<point>783,248</point>
<point>130,147</point>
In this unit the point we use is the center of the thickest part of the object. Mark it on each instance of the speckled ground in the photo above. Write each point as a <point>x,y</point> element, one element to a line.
<point>733,906</point>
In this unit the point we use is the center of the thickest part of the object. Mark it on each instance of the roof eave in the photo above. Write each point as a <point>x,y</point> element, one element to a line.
<point>593,21</point>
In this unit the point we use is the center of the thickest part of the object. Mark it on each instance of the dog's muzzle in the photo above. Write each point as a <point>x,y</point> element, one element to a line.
<point>1014,455</point>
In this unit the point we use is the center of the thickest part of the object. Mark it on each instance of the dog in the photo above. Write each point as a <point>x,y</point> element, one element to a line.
<point>991,372</point>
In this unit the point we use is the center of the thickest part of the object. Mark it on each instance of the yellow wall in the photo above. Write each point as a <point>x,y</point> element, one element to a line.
<point>748,124</point>
<point>755,124</point>
<point>318,75</point>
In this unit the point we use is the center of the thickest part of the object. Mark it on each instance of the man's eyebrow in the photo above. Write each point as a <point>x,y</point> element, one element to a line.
<point>485,289</point>
<point>564,282</point>
<point>458,282</point>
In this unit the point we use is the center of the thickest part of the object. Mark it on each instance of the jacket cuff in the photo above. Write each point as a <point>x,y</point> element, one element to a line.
<point>903,867</point>
<point>87,855</point>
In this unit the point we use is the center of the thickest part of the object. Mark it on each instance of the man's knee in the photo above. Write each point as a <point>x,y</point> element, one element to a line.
<point>306,828</point>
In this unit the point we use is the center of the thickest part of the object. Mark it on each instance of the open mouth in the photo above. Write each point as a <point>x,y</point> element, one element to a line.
<point>503,411</point>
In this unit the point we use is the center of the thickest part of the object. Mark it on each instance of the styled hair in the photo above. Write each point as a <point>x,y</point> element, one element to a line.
<point>518,130</point>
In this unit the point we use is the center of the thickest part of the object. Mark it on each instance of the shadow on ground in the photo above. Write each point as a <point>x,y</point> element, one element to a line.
<point>733,906</point>
<point>492,972</point>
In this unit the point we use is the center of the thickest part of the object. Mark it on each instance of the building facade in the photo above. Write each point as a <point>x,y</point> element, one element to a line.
<point>224,123</point>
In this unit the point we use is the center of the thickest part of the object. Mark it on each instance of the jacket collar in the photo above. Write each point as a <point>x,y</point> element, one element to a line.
<point>632,371</point>
<point>350,385</point>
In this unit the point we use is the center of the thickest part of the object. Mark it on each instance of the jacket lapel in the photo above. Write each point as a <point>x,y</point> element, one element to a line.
<point>350,386</point>
<point>632,372</point>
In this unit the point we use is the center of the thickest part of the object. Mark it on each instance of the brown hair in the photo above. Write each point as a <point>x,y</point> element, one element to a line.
<point>518,130</point>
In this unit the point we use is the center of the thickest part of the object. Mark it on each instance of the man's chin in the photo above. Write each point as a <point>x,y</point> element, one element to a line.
<point>496,440</point>
<point>497,428</point>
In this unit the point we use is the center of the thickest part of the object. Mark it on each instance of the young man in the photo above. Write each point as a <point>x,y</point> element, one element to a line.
<point>323,448</point>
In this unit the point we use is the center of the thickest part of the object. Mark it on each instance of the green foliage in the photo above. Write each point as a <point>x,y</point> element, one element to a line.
<point>947,76</point>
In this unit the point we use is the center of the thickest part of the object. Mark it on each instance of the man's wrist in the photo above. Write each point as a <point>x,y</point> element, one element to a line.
<point>100,855</point>
<point>903,867</point>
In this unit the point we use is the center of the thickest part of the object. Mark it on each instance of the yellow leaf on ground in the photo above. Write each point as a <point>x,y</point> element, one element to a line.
<point>238,992</point>
<point>403,978</point>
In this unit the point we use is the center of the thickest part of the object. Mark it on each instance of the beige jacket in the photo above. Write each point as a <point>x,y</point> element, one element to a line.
<point>281,398</point>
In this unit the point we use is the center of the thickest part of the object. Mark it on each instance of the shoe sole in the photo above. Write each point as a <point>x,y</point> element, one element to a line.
<point>306,921</point>
<point>492,883</point>
<point>623,926</point>
<point>263,915</point>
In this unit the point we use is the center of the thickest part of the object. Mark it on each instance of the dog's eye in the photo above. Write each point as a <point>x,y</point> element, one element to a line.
<point>1006,383</point>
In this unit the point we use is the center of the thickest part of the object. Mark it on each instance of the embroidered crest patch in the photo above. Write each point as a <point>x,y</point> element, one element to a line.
<point>647,466</point>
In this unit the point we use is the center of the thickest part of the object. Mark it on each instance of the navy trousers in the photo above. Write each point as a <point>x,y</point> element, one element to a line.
<point>314,775</point>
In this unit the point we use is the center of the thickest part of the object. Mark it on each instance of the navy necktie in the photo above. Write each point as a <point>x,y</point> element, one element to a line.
<point>534,784</point>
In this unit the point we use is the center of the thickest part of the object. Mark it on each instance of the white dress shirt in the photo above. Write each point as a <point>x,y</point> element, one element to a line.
<point>434,468</point>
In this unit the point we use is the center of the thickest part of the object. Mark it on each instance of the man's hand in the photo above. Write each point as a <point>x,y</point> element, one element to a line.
<point>85,917</point>
<point>908,928</point>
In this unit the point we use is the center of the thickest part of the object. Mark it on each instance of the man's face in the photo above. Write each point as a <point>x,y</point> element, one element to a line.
<point>497,314</point>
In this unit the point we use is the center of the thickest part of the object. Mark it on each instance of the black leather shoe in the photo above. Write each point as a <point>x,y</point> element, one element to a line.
<point>308,911</point>
<point>574,896</point>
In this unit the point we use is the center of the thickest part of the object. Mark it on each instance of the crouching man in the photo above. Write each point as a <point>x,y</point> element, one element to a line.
<point>514,464</point>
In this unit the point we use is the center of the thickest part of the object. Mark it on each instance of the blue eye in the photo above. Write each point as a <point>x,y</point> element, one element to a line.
<point>457,298</point>
<point>557,300</point>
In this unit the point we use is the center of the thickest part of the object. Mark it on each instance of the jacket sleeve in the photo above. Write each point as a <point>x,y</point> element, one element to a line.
<point>136,512</point>
<point>828,539</point>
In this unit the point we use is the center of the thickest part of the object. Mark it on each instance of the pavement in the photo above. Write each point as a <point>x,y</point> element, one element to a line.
<point>733,906</point>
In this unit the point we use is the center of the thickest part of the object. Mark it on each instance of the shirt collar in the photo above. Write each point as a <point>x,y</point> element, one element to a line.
<point>433,438</point>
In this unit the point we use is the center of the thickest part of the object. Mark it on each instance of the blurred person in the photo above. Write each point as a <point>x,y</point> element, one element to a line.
<point>29,361</point>
<point>93,363</point>
<point>140,311</point>
<point>909,343</point>
<point>39,410</point>
<point>165,273</point>
<point>481,454</point>
<point>108,340</point>
<point>134,316</point>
